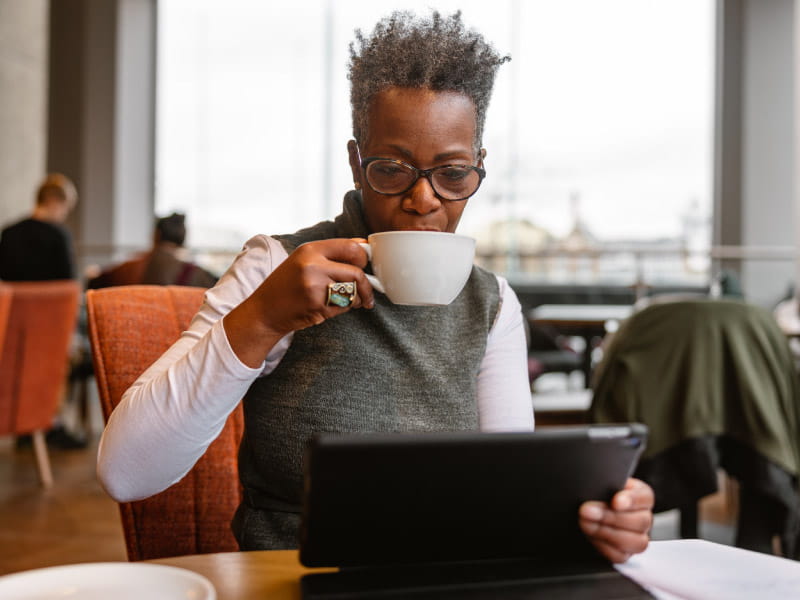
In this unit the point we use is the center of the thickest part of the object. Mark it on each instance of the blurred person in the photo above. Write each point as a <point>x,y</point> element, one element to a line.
<point>39,247</point>
<point>165,263</point>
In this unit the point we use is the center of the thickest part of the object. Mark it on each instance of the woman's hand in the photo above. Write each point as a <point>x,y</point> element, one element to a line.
<point>623,528</point>
<point>295,295</point>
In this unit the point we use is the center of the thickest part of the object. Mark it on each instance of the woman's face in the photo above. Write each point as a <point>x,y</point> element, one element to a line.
<point>425,129</point>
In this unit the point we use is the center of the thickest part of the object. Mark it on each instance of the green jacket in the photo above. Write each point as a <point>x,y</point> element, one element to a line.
<point>703,367</point>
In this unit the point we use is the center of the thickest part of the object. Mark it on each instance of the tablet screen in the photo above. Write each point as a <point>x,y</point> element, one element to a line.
<point>387,499</point>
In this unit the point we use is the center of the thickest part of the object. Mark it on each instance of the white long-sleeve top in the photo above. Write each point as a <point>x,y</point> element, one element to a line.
<point>178,406</point>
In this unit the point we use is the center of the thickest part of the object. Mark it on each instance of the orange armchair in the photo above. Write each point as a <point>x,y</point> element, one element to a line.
<point>34,361</point>
<point>129,328</point>
<point>5,309</point>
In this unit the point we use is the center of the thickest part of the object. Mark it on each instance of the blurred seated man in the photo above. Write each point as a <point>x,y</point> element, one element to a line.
<point>163,264</point>
<point>39,247</point>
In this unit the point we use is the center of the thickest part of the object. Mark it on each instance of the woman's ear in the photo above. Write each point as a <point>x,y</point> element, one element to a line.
<point>355,163</point>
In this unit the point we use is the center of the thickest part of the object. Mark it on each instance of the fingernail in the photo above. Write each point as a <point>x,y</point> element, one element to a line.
<point>623,502</point>
<point>593,512</point>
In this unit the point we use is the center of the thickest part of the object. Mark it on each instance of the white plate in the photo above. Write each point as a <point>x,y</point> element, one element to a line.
<point>115,581</point>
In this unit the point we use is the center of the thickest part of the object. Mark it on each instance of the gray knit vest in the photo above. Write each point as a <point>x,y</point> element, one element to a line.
<point>392,368</point>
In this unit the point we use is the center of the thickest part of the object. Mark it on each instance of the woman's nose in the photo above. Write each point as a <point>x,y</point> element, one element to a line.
<point>421,198</point>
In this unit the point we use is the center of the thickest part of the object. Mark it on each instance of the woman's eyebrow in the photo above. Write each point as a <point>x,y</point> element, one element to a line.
<point>401,150</point>
<point>405,152</point>
<point>453,154</point>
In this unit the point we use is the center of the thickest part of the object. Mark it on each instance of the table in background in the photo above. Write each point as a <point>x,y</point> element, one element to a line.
<point>588,321</point>
<point>559,408</point>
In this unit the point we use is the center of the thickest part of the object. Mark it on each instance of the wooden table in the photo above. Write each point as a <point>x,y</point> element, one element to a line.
<point>245,575</point>
<point>707,570</point>
<point>561,408</point>
<point>588,321</point>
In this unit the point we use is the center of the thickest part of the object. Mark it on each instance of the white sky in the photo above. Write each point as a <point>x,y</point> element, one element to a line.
<point>607,99</point>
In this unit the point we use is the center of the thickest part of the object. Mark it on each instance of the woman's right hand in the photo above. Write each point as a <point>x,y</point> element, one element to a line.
<point>294,296</point>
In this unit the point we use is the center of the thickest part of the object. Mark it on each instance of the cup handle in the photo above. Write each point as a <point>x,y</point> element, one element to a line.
<point>372,279</point>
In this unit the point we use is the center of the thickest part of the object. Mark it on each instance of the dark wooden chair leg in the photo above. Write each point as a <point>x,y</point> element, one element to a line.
<point>688,520</point>
<point>757,521</point>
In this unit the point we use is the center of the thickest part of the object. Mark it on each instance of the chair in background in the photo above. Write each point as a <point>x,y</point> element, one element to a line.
<point>715,382</point>
<point>547,353</point>
<point>34,360</point>
<point>129,272</point>
<point>5,309</point>
<point>129,328</point>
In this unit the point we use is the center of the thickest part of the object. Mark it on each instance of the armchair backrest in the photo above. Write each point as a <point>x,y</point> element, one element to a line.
<point>130,327</point>
<point>42,316</point>
<point>5,310</point>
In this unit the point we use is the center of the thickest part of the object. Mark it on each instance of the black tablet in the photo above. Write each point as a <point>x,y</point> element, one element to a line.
<point>421,498</point>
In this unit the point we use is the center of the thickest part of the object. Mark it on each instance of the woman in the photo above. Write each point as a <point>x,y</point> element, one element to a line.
<point>269,332</point>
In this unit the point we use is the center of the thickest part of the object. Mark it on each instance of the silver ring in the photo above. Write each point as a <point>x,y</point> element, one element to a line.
<point>341,293</point>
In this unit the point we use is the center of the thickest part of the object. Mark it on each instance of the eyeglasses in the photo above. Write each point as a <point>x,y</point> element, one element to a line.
<point>449,182</point>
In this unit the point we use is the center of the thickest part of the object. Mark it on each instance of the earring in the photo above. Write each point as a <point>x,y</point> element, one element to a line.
<point>356,185</point>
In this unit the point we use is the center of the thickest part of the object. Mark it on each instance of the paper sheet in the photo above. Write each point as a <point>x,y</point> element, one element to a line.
<point>701,570</point>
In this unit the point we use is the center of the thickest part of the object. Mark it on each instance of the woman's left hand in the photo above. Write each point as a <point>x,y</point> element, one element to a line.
<point>622,528</point>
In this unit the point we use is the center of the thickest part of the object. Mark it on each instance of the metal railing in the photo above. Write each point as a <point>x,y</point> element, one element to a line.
<point>628,264</point>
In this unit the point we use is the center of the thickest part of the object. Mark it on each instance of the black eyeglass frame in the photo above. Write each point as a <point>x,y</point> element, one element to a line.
<point>426,173</point>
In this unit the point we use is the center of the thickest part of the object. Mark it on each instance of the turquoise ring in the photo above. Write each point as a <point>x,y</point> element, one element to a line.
<point>341,294</point>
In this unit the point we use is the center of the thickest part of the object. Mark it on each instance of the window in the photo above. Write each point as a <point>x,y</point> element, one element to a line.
<point>599,135</point>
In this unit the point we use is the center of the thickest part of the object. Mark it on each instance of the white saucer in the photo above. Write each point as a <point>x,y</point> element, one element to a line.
<point>114,580</point>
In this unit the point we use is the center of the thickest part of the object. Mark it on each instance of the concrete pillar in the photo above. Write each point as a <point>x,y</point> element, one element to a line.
<point>23,103</point>
<point>755,146</point>
<point>102,119</point>
<point>768,153</point>
<point>727,212</point>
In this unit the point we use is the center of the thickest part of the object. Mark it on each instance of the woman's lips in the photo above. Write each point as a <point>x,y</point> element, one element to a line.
<point>418,229</point>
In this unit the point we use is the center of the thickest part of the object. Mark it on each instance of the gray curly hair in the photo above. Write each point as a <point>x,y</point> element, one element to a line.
<point>433,52</point>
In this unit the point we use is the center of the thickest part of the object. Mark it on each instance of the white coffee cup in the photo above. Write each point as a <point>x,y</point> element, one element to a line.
<point>420,268</point>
